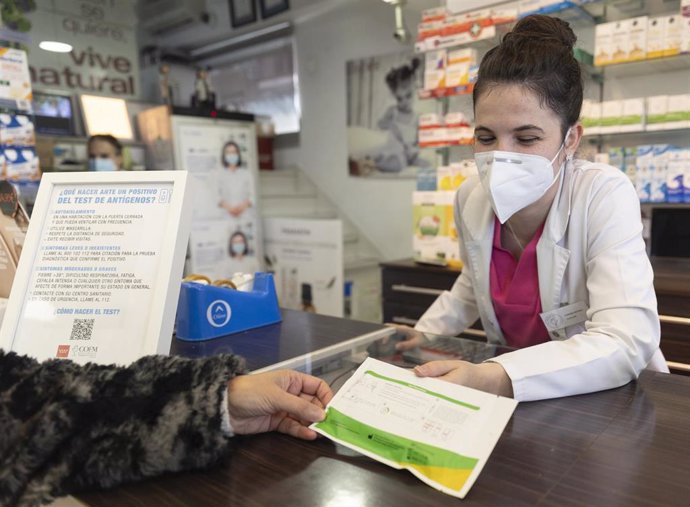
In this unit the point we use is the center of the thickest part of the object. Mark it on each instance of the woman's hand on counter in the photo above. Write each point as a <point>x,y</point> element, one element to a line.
<point>488,377</point>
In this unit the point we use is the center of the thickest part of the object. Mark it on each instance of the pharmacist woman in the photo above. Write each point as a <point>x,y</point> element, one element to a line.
<point>554,260</point>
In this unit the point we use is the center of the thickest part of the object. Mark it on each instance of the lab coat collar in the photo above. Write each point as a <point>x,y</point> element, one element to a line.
<point>552,258</point>
<point>478,218</point>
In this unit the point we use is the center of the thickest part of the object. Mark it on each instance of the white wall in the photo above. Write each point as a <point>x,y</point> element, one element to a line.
<point>381,209</point>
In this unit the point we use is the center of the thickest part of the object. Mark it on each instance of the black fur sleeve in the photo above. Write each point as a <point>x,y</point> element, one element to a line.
<point>65,427</point>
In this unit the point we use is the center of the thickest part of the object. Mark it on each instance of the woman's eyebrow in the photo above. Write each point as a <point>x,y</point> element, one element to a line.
<point>527,127</point>
<point>521,128</point>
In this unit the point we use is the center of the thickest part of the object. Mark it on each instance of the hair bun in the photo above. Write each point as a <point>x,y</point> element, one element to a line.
<point>546,27</point>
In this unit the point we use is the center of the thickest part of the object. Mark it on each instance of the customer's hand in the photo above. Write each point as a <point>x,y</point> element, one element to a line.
<point>488,377</point>
<point>286,401</point>
<point>409,337</point>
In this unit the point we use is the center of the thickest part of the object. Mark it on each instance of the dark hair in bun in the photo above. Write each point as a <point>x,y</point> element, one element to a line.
<point>537,53</point>
<point>398,75</point>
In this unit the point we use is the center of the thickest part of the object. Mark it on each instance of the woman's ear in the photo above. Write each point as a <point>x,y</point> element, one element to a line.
<point>572,140</point>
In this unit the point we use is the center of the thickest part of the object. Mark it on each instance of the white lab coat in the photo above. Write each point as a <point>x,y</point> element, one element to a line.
<point>591,251</point>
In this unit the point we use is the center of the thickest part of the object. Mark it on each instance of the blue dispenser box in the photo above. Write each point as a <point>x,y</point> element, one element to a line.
<point>208,311</point>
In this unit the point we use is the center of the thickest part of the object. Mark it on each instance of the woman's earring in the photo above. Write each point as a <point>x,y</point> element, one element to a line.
<point>569,157</point>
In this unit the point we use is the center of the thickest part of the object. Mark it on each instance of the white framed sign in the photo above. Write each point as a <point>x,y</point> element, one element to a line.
<point>99,276</point>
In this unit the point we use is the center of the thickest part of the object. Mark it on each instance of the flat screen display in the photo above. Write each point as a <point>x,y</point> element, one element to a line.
<point>53,114</point>
<point>106,115</point>
<point>671,232</point>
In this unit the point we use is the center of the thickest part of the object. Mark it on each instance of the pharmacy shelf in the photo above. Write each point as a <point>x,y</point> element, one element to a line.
<point>445,146</point>
<point>446,92</point>
<point>640,136</point>
<point>649,67</point>
<point>647,205</point>
<point>483,38</point>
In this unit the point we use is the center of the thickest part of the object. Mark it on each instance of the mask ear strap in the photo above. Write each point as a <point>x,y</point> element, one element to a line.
<point>568,156</point>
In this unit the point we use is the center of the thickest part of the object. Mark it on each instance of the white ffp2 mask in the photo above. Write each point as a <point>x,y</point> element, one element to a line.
<point>513,181</point>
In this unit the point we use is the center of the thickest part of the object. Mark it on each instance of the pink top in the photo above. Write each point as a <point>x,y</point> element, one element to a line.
<point>514,286</point>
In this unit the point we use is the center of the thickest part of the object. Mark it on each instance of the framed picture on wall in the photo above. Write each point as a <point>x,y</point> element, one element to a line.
<point>242,12</point>
<point>272,7</point>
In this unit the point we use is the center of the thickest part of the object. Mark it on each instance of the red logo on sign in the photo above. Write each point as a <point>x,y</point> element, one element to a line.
<point>63,351</point>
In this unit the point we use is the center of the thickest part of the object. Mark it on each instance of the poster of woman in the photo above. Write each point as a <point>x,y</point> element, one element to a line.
<point>382,116</point>
<point>221,157</point>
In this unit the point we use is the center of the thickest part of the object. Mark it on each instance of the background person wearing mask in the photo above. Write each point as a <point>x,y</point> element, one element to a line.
<point>554,260</point>
<point>235,182</point>
<point>105,153</point>
<point>66,427</point>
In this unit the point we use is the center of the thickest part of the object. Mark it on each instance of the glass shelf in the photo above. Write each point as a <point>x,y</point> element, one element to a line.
<point>446,92</point>
<point>642,136</point>
<point>649,67</point>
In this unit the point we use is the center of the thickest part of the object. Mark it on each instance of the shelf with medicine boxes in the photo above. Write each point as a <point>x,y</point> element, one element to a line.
<point>649,66</point>
<point>483,28</point>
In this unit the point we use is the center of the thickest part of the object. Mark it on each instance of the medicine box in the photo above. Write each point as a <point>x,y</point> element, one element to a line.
<point>657,109</point>
<point>435,70</point>
<point>458,66</point>
<point>675,173</point>
<point>637,46</point>
<point>655,37</point>
<point>672,35</point>
<point>621,41</point>
<point>603,44</point>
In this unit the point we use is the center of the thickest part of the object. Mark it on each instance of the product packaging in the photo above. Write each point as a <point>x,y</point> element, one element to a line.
<point>643,183</point>
<point>431,137</point>
<point>678,114</point>
<point>657,109</point>
<point>616,157</point>
<point>591,116</point>
<point>637,46</point>
<point>655,37</point>
<point>452,176</point>
<point>621,41</point>
<point>505,13</point>
<point>21,162</point>
<point>603,44</point>
<point>611,114</point>
<point>426,179</point>
<point>434,14</point>
<point>675,173</point>
<point>16,129</point>
<point>459,63</point>
<point>686,174</point>
<point>658,170</point>
<point>672,35</point>
<point>431,131</point>
<point>435,236</point>
<point>630,163</point>
<point>685,34</point>
<point>435,70</point>
<point>458,129</point>
<point>632,118</point>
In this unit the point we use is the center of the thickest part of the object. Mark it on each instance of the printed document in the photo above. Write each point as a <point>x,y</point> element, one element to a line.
<point>441,432</point>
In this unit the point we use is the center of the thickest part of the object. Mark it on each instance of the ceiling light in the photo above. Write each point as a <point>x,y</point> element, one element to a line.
<point>55,47</point>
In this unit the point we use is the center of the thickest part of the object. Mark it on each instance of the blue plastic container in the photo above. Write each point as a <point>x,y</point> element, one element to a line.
<point>207,311</point>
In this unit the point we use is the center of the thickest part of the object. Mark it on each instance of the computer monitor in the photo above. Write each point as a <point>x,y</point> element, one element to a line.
<point>53,114</point>
<point>106,115</point>
<point>670,232</point>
